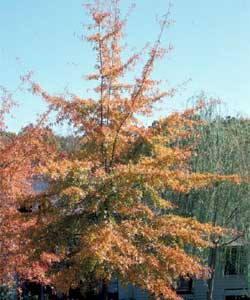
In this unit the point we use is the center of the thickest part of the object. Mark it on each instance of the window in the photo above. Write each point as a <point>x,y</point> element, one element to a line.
<point>237,297</point>
<point>185,285</point>
<point>234,260</point>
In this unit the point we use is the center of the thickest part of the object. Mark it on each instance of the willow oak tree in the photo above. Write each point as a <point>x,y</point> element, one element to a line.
<point>20,155</point>
<point>223,147</point>
<point>103,213</point>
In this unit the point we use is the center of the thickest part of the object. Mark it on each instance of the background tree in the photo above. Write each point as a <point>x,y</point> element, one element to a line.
<point>103,214</point>
<point>222,147</point>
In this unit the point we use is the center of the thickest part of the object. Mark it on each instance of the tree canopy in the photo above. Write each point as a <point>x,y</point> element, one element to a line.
<point>104,214</point>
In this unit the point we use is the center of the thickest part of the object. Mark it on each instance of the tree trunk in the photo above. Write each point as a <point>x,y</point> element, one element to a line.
<point>104,291</point>
<point>18,293</point>
<point>212,265</point>
<point>41,294</point>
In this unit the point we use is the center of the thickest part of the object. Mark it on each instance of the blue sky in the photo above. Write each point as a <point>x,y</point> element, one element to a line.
<point>211,42</point>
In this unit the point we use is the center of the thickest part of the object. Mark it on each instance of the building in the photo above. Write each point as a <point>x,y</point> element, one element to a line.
<point>230,280</point>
